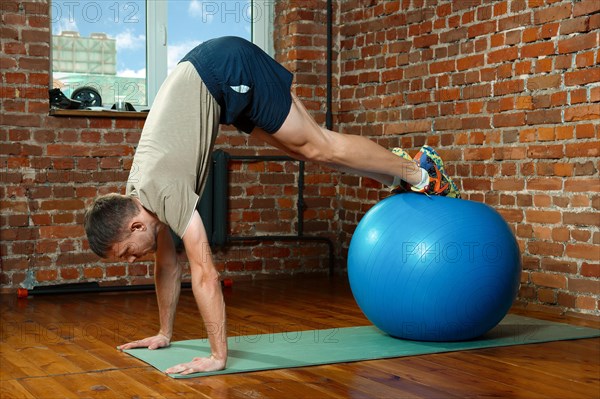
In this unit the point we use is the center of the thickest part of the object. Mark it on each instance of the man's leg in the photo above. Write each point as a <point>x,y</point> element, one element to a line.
<point>302,138</point>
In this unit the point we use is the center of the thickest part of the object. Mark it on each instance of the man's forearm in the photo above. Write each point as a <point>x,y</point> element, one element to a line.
<point>209,298</point>
<point>207,292</point>
<point>168,287</point>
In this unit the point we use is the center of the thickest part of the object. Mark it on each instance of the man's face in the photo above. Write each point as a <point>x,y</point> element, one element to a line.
<point>139,243</point>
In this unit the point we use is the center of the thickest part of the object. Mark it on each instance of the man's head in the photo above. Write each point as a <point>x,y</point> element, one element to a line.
<point>118,226</point>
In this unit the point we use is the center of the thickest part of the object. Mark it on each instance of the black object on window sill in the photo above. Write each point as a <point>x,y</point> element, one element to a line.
<point>88,96</point>
<point>59,100</point>
<point>82,98</point>
<point>128,107</point>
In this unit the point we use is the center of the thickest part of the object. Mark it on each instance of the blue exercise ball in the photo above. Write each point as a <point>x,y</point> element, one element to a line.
<point>433,268</point>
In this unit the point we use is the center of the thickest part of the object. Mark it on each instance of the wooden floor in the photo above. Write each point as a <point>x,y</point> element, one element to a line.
<point>64,347</point>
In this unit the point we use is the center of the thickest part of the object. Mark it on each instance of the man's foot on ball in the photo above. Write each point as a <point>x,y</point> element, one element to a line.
<point>439,182</point>
<point>402,186</point>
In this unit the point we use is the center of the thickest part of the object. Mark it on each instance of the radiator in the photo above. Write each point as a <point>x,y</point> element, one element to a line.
<point>215,200</point>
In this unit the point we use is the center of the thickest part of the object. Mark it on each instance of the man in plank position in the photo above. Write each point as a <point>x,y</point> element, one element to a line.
<point>229,81</point>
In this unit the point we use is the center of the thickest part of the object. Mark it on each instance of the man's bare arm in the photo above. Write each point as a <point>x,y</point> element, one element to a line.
<point>209,298</point>
<point>167,277</point>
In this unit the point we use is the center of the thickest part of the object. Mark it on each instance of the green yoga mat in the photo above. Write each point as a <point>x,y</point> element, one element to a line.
<point>340,345</point>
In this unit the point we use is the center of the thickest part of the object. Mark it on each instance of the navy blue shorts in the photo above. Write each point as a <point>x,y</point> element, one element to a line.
<point>252,88</point>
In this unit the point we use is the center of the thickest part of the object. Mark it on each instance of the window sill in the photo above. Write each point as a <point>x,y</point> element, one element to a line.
<point>98,114</point>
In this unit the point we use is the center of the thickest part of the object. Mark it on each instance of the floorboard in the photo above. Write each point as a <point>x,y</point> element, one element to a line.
<point>64,347</point>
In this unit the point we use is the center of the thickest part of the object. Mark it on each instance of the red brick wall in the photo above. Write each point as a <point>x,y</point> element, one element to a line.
<point>52,168</point>
<point>509,93</point>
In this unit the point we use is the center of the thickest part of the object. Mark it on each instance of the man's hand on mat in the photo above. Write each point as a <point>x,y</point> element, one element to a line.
<point>155,342</point>
<point>198,365</point>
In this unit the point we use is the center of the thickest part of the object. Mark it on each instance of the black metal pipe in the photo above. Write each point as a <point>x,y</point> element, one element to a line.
<point>328,112</point>
<point>221,191</point>
<point>92,287</point>
<point>300,204</point>
<point>261,158</point>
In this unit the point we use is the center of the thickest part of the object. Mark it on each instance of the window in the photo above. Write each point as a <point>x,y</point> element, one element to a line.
<point>126,48</point>
<point>100,45</point>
